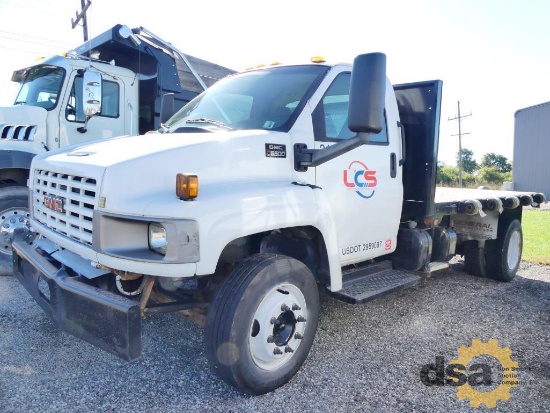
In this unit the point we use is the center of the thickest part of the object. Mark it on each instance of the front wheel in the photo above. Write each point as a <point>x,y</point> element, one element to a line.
<point>262,322</point>
<point>14,214</point>
<point>504,254</point>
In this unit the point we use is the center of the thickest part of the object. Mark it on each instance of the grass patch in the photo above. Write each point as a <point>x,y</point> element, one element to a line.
<point>536,236</point>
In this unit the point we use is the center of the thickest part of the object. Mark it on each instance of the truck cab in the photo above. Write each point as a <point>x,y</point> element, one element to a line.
<point>49,108</point>
<point>135,72</point>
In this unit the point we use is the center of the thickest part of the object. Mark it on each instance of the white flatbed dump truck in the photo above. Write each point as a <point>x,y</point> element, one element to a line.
<point>270,185</point>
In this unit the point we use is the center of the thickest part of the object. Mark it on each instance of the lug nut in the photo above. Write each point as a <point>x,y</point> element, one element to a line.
<point>285,307</point>
<point>273,320</point>
<point>298,336</point>
<point>288,349</point>
<point>296,307</point>
<point>270,339</point>
<point>277,351</point>
<point>301,319</point>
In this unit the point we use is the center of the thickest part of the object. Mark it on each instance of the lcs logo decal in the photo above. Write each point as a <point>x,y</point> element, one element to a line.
<point>360,178</point>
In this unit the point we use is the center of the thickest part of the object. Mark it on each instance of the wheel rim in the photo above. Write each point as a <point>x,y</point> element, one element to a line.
<point>514,250</point>
<point>10,220</point>
<point>278,327</point>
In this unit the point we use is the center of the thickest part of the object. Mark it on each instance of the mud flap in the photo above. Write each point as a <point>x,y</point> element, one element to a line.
<point>102,318</point>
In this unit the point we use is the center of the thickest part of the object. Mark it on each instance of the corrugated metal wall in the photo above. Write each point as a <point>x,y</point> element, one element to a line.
<point>532,149</point>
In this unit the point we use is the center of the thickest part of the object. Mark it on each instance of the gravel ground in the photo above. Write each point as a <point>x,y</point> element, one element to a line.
<point>364,358</point>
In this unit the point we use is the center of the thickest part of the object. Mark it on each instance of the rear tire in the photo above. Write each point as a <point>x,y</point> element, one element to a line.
<point>504,254</point>
<point>474,259</point>
<point>262,322</point>
<point>14,214</point>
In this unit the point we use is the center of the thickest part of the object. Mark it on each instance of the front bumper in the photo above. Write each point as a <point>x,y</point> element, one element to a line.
<point>102,318</point>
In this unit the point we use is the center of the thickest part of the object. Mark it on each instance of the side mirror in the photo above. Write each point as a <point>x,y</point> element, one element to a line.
<point>367,93</point>
<point>92,93</point>
<point>365,115</point>
<point>166,107</point>
<point>126,33</point>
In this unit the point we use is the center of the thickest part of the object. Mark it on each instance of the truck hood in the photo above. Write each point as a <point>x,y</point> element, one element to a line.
<point>23,123</point>
<point>133,172</point>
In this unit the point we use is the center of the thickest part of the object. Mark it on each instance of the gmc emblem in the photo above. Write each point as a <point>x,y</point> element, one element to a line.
<point>55,203</point>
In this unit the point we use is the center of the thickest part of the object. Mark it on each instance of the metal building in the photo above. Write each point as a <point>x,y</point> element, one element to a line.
<point>532,149</point>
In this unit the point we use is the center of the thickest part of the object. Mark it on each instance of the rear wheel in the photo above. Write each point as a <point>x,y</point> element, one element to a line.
<point>504,254</point>
<point>262,322</point>
<point>474,259</point>
<point>14,214</point>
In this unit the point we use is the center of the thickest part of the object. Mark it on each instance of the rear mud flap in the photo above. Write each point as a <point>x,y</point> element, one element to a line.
<point>102,318</point>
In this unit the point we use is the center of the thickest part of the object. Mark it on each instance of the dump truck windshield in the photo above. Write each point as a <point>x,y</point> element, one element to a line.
<point>40,86</point>
<point>267,99</point>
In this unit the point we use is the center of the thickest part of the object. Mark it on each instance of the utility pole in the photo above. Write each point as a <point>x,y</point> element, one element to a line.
<point>459,118</point>
<point>82,15</point>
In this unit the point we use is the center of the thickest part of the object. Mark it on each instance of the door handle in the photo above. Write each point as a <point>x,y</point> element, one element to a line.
<point>403,146</point>
<point>393,165</point>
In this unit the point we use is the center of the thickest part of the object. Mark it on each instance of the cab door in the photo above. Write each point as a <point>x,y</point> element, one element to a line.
<point>364,185</point>
<point>110,122</point>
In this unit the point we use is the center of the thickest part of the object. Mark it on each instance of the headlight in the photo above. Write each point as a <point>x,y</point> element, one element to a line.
<point>157,239</point>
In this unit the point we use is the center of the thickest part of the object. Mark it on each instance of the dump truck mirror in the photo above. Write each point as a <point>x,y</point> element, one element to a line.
<point>367,93</point>
<point>92,93</point>
<point>126,33</point>
<point>166,107</point>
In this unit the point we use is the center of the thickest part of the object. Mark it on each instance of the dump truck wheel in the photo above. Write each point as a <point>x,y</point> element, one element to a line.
<point>504,255</point>
<point>262,322</point>
<point>14,214</point>
<point>474,259</point>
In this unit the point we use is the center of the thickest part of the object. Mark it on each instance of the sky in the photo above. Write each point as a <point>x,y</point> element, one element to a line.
<point>492,56</point>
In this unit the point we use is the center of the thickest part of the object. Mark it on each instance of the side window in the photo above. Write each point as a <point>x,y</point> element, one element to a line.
<point>330,117</point>
<point>109,101</point>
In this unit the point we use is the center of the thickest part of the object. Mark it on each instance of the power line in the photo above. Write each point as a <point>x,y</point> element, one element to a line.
<point>33,42</point>
<point>21,50</point>
<point>34,37</point>
<point>36,2</point>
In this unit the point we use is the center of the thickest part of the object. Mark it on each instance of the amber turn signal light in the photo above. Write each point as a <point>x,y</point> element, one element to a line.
<point>187,186</point>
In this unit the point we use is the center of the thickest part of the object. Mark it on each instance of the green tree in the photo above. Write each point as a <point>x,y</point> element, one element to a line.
<point>447,175</point>
<point>469,164</point>
<point>491,175</point>
<point>499,161</point>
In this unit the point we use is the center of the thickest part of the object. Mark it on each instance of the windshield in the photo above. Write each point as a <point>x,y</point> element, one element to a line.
<point>261,99</point>
<point>40,86</point>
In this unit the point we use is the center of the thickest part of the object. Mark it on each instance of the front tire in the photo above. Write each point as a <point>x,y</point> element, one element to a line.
<point>504,254</point>
<point>262,322</point>
<point>14,214</point>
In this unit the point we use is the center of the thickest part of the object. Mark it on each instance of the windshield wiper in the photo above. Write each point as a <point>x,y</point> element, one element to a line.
<point>211,121</point>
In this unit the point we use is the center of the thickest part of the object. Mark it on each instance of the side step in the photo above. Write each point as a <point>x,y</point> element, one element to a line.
<point>367,283</point>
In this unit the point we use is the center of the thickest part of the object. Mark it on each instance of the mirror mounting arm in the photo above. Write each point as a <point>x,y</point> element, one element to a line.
<point>84,129</point>
<point>304,157</point>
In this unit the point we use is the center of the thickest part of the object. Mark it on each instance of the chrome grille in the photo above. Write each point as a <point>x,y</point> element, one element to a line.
<point>65,203</point>
<point>17,132</point>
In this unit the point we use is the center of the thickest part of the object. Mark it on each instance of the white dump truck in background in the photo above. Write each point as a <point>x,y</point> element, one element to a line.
<point>271,185</point>
<point>132,70</point>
